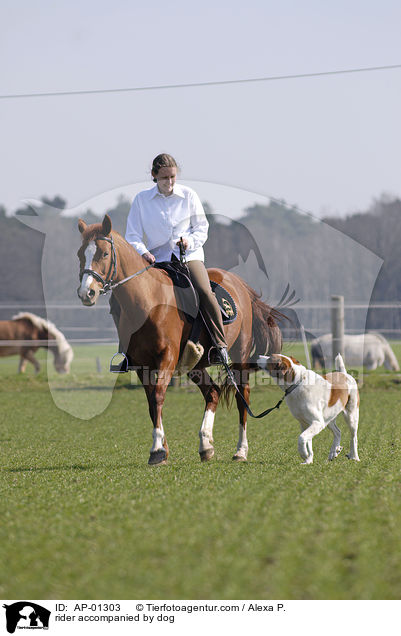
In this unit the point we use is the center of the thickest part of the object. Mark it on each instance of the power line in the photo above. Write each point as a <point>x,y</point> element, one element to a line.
<point>103,91</point>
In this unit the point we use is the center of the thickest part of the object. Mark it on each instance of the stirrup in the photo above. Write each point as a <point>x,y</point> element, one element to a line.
<point>119,367</point>
<point>218,356</point>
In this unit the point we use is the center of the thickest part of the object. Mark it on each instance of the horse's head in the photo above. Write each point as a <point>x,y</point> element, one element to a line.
<point>63,359</point>
<point>97,260</point>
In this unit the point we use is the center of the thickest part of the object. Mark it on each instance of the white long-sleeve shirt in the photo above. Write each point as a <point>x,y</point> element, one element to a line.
<point>155,223</point>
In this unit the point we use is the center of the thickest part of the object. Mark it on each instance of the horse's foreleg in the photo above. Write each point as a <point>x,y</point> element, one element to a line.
<point>156,395</point>
<point>206,449</point>
<point>211,394</point>
<point>241,454</point>
<point>159,451</point>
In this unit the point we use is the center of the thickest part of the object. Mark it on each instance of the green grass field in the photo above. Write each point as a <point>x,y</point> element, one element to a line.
<point>83,516</point>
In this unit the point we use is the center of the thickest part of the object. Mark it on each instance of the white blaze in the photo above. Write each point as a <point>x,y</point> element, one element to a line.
<point>89,254</point>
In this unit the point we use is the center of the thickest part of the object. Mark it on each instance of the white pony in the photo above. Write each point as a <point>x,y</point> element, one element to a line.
<point>25,333</point>
<point>370,350</point>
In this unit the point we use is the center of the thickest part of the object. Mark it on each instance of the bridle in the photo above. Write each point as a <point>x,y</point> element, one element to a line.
<point>107,282</point>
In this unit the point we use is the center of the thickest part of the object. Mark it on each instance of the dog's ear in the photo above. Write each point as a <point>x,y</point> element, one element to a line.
<point>295,361</point>
<point>287,371</point>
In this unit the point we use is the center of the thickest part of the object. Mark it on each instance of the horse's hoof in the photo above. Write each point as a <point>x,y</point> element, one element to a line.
<point>158,458</point>
<point>206,455</point>
<point>239,458</point>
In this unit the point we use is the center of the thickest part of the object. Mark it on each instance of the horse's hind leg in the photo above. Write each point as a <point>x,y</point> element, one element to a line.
<point>241,454</point>
<point>27,356</point>
<point>211,394</point>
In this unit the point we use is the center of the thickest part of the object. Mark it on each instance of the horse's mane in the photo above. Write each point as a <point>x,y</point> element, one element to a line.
<point>41,323</point>
<point>95,231</point>
<point>119,239</point>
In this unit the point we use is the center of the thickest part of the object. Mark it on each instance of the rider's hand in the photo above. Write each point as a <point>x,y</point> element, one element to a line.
<point>149,257</point>
<point>185,243</point>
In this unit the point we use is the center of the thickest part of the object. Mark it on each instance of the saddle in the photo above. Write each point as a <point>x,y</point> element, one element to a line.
<point>189,302</point>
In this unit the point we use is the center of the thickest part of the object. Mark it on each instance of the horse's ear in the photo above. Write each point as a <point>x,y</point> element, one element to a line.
<point>106,225</point>
<point>81,226</point>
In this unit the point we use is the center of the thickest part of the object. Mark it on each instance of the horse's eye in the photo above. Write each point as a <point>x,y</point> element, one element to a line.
<point>105,254</point>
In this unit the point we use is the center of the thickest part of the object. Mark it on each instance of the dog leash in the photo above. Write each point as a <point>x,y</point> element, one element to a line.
<point>288,390</point>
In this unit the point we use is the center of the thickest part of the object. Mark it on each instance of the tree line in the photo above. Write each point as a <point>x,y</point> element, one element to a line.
<point>284,254</point>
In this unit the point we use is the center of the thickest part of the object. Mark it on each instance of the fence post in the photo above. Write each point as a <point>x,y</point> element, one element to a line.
<point>337,325</point>
<point>304,342</point>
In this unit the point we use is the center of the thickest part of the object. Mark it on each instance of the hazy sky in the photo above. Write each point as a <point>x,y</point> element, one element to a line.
<point>328,144</point>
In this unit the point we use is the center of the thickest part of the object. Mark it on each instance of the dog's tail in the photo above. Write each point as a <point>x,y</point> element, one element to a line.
<point>339,363</point>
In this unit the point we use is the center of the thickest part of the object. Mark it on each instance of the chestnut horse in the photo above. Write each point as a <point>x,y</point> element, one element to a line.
<point>153,330</point>
<point>25,333</point>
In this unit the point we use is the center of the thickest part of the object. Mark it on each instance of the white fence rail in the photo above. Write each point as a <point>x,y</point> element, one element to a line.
<point>95,325</point>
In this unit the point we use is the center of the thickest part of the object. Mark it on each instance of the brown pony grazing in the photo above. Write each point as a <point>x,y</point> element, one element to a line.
<point>25,333</point>
<point>153,331</point>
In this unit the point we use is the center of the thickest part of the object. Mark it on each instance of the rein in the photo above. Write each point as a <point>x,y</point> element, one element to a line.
<point>124,280</point>
<point>107,282</point>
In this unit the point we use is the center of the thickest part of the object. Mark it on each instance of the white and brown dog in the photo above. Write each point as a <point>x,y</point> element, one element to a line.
<point>315,401</point>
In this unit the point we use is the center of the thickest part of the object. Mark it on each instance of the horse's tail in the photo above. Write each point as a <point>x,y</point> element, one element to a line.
<point>266,334</point>
<point>266,339</point>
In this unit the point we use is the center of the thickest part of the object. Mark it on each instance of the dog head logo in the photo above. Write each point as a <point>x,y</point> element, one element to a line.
<point>26,615</point>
